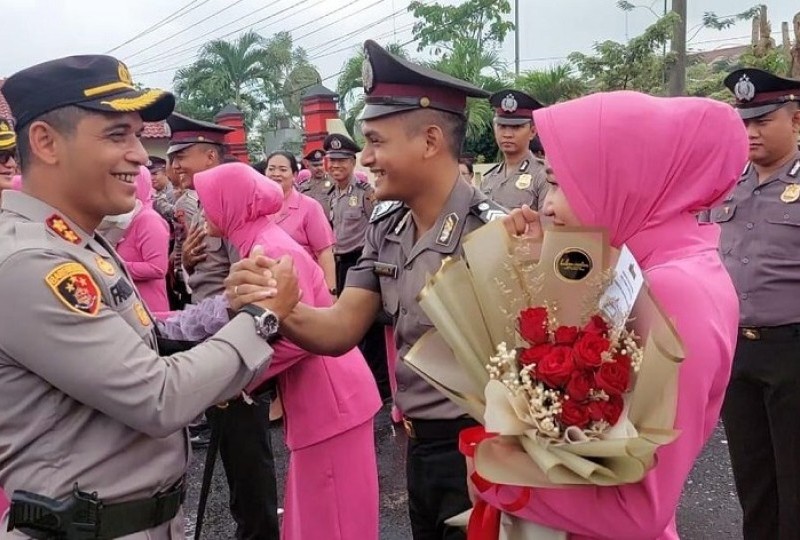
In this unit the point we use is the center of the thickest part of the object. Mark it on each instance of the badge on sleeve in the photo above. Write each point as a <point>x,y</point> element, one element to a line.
<point>141,314</point>
<point>524,181</point>
<point>74,287</point>
<point>791,193</point>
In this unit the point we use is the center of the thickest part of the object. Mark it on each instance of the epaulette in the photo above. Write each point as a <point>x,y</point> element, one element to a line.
<point>383,209</point>
<point>362,185</point>
<point>523,167</point>
<point>487,210</point>
<point>493,169</point>
<point>795,169</point>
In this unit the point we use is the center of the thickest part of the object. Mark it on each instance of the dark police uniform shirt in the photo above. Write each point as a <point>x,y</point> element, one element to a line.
<point>319,190</point>
<point>760,245</point>
<point>397,268</point>
<point>527,184</point>
<point>350,211</point>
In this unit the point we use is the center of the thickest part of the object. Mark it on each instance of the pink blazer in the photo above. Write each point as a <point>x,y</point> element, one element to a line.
<point>305,221</point>
<point>322,396</point>
<point>145,251</point>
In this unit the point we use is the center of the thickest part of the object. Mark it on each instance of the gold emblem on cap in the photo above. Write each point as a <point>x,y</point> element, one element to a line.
<point>336,144</point>
<point>124,74</point>
<point>790,193</point>
<point>424,102</point>
<point>524,181</point>
<point>4,126</point>
<point>353,200</point>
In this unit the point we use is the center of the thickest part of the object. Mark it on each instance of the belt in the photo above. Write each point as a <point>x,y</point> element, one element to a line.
<point>85,517</point>
<point>436,429</point>
<point>766,333</point>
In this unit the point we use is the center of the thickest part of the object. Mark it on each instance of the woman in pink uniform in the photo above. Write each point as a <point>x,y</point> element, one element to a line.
<point>144,247</point>
<point>642,167</point>
<point>302,217</point>
<point>329,403</point>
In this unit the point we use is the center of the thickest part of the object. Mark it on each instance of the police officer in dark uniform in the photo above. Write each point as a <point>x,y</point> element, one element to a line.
<point>319,185</point>
<point>414,124</point>
<point>520,178</point>
<point>760,245</point>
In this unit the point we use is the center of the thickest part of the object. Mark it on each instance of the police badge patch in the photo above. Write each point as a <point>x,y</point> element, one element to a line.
<point>367,75</point>
<point>744,90</point>
<point>74,287</point>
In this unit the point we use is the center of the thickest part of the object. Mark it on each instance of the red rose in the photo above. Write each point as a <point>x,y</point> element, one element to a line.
<point>533,355</point>
<point>556,367</point>
<point>579,385</point>
<point>574,414</point>
<point>596,410</point>
<point>589,350</point>
<point>533,325</point>
<point>566,335</point>
<point>612,409</point>
<point>596,325</point>
<point>613,378</point>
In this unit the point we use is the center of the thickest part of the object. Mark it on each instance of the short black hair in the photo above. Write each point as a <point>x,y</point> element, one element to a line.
<point>260,166</point>
<point>467,162</point>
<point>288,155</point>
<point>63,120</point>
<point>453,126</point>
<point>218,149</point>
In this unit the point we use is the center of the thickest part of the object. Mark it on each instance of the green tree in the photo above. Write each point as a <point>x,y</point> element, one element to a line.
<point>482,22</point>
<point>551,85</point>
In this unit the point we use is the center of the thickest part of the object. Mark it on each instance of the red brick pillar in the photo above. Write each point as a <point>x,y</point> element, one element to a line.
<point>236,140</point>
<point>318,105</point>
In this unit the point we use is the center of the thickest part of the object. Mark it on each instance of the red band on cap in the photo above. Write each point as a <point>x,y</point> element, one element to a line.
<point>770,97</point>
<point>214,137</point>
<point>438,97</point>
<point>519,113</point>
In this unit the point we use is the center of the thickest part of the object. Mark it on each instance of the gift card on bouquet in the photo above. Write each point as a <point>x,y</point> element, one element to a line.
<point>618,300</point>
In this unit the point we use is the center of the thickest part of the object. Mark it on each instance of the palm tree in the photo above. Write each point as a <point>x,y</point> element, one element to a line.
<point>551,85</point>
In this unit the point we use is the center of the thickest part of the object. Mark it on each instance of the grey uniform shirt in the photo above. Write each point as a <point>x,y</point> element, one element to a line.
<point>527,184</point>
<point>164,202</point>
<point>397,268</point>
<point>319,190</point>
<point>351,209</point>
<point>85,396</point>
<point>208,276</point>
<point>760,245</point>
<point>186,208</point>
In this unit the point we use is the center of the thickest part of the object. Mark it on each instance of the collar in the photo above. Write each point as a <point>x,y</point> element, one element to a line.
<point>789,173</point>
<point>35,210</point>
<point>350,184</point>
<point>523,166</point>
<point>444,236</point>
<point>293,199</point>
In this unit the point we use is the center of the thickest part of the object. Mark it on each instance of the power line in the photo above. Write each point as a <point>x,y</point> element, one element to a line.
<point>324,47</point>
<point>155,26</point>
<point>172,36</point>
<point>393,32</point>
<point>158,57</point>
<point>347,16</point>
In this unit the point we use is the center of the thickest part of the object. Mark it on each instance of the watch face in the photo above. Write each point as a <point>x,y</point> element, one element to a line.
<point>267,325</point>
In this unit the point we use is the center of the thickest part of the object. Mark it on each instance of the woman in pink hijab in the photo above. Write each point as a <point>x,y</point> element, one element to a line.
<point>329,403</point>
<point>144,247</point>
<point>642,167</point>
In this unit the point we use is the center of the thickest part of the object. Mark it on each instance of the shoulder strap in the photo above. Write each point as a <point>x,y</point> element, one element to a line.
<point>383,209</point>
<point>487,210</point>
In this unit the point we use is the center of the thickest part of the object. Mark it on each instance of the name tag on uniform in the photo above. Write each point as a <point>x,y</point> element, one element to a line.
<point>385,269</point>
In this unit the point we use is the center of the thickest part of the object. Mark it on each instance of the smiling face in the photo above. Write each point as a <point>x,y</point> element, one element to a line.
<point>341,169</point>
<point>393,155</point>
<point>192,160</point>
<point>279,169</point>
<point>773,137</point>
<point>8,167</point>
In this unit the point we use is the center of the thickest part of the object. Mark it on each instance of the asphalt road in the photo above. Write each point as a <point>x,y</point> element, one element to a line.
<point>708,508</point>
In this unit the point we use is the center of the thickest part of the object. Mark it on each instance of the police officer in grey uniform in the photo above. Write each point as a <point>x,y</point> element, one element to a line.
<point>520,178</point>
<point>760,245</point>
<point>422,113</point>
<point>243,425</point>
<point>351,203</point>
<point>318,185</point>
<point>92,437</point>
<point>164,194</point>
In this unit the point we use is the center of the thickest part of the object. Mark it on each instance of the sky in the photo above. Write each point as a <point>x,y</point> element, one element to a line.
<point>40,30</point>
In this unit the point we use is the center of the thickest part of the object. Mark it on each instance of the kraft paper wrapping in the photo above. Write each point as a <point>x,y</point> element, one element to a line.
<point>473,304</point>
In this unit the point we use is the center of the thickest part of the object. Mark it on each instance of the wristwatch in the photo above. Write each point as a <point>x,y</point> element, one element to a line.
<point>267,323</point>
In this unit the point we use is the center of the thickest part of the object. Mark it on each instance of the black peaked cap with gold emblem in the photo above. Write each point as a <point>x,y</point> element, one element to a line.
<point>513,108</point>
<point>759,92</point>
<point>394,85</point>
<point>95,82</point>
<point>156,163</point>
<point>8,139</point>
<point>187,131</point>
<point>338,146</point>
<point>315,156</point>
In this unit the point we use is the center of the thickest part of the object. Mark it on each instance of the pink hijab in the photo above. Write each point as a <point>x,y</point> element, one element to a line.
<point>238,200</point>
<point>16,182</point>
<point>642,166</point>
<point>302,176</point>
<point>144,187</point>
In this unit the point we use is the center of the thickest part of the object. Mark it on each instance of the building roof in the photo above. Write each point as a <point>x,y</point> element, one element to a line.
<point>318,91</point>
<point>152,130</point>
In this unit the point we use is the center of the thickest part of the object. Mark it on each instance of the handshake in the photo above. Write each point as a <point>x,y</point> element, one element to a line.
<point>268,283</point>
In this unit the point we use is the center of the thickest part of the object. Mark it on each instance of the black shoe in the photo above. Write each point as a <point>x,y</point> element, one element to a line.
<point>199,436</point>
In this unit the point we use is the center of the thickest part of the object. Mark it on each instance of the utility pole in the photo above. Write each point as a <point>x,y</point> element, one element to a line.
<point>677,75</point>
<point>516,37</point>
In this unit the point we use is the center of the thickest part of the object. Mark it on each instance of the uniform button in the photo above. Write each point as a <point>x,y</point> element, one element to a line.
<point>750,225</point>
<point>402,388</point>
<point>744,296</point>
<point>745,260</point>
<point>403,310</point>
<point>785,216</point>
<point>757,192</point>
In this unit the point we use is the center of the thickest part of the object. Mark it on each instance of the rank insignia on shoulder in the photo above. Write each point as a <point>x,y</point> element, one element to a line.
<point>524,165</point>
<point>57,224</point>
<point>106,267</point>
<point>448,226</point>
<point>383,209</point>
<point>488,210</point>
<point>141,314</point>
<point>74,287</point>
<point>795,169</point>
<point>385,269</point>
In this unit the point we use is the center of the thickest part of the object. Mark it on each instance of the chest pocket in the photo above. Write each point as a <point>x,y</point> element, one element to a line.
<point>352,212</point>
<point>723,213</point>
<point>782,235</point>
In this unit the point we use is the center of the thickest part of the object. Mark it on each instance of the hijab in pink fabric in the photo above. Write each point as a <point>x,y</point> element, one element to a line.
<point>238,200</point>
<point>144,187</point>
<point>642,166</point>
<point>16,182</point>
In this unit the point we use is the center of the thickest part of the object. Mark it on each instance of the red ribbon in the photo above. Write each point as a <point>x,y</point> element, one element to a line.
<point>484,523</point>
